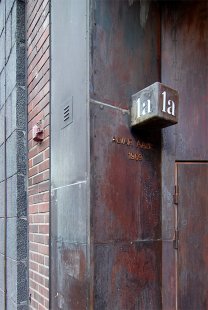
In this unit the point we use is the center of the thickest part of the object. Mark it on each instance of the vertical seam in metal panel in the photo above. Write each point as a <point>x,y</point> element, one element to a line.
<point>176,252</point>
<point>5,173</point>
<point>88,226</point>
<point>5,216</point>
<point>50,228</point>
<point>27,166</point>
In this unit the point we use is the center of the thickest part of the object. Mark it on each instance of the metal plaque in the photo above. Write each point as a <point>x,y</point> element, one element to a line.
<point>155,106</point>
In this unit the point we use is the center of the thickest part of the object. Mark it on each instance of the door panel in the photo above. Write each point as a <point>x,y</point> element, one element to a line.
<point>192,260</point>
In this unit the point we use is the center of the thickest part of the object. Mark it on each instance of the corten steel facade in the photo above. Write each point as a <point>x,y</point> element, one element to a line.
<point>99,215</point>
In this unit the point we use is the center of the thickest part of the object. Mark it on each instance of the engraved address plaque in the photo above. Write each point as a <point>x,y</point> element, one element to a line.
<point>156,106</point>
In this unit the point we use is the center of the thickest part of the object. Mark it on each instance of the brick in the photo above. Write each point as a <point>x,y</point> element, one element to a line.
<point>33,171</point>
<point>46,153</point>
<point>34,304</point>
<point>37,257</point>
<point>43,187</point>
<point>33,284</point>
<point>41,58</point>
<point>42,290</point>
<point>39,238</point>
<point>39,26</point>
<point>47,304</point>
<point>37,159</point>
<point>38,108</point>
<point>42,83</point>
<point>38,178</point>
<point>46,260</point>
<point>36,14</point>
<point>33,209</point>
<point>30,7</point>
<point>43,207</point>
<point>44,165</point>
<point>34,247</point>
<point>31,237</point>
<point>37,218</point>
<point>33,228</point>
<point>39,148</point>
<point>39,298</point>
<point>41,307</point>
<point>46,218</point>
<point>44,229</point>
<point>38,79</point>
<point>38,44</point>
<point>43,249</point>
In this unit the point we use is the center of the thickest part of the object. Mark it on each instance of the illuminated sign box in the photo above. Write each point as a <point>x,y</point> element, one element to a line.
<point>156,106</point>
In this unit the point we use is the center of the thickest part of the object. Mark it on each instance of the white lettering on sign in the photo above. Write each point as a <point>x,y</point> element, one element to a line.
<point>168,107</point>
<point>144,108</point>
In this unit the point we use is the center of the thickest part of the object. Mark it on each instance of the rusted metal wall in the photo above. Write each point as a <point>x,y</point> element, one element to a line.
<point>192,269</point>
<point>118,252</point>
<point>125,166</point>
<point>184,67</point>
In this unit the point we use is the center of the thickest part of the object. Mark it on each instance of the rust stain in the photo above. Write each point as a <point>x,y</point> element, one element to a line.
<point>74,289</point>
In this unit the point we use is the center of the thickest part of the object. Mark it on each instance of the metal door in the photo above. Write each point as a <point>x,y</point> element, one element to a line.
<point>192,220</point>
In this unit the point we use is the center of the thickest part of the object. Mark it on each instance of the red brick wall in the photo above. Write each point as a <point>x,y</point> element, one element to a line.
<point>38,82</point>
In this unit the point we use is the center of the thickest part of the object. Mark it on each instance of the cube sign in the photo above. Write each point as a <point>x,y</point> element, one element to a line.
<point>155,107</point>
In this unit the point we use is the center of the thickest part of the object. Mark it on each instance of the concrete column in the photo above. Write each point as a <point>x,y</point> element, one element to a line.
<point>13,168</point>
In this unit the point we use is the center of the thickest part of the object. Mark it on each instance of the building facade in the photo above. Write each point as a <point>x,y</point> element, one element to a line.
<point>94,213</point>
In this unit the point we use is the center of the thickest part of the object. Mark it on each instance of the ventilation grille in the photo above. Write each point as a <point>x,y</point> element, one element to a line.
<point>66,113</point>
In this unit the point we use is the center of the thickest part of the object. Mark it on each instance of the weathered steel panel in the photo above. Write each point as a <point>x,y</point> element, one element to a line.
<point>69,265</point>
<point>125,165</point>
<point>193,236</point>
<point>69,155</point>
<point>125,53</point>
<point>125,191</point>
<point>168,274</point>
<point>69,88</point>
<point>125,209</point>
<point>128,276</point>
<point>184,67</point>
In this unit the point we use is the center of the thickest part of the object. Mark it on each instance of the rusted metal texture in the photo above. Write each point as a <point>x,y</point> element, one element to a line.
<point>125,208</point>
<point>184,67</point>
<point>193,236</point>
<point>127,276</point>
<point>125,50</point>
<point>125,166</point>
<point>126,191</point>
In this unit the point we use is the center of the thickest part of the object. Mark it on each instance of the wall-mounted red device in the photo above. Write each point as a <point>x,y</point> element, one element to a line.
<point>38,132</point>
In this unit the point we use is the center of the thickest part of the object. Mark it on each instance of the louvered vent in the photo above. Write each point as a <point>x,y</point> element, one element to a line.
<point>66,113</point>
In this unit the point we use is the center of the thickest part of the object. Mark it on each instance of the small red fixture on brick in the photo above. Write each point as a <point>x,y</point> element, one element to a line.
<point>38,133</point>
